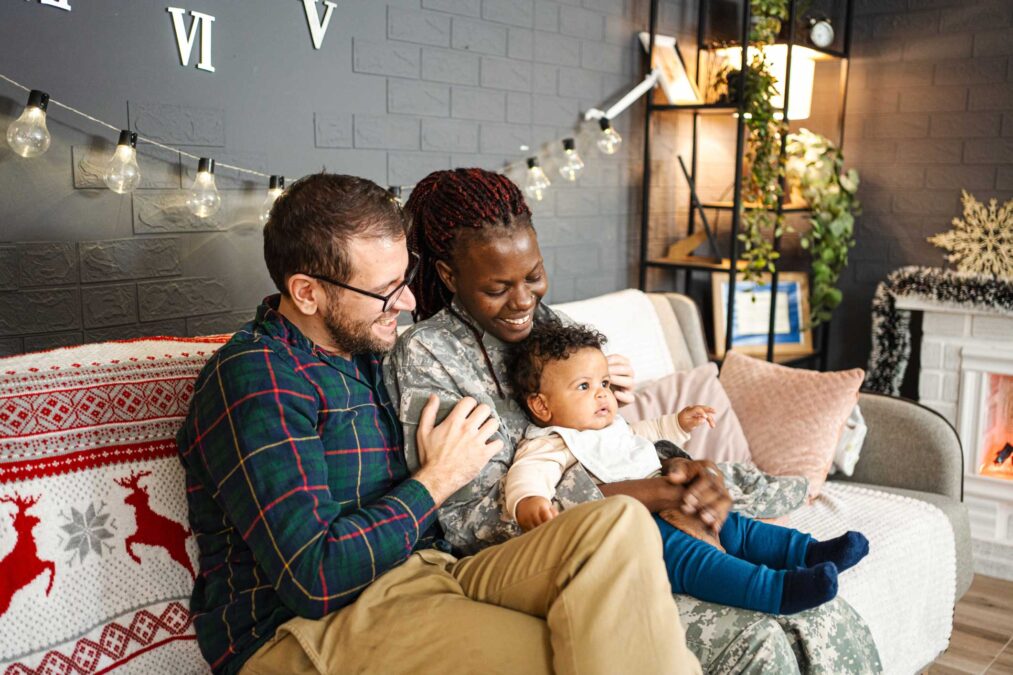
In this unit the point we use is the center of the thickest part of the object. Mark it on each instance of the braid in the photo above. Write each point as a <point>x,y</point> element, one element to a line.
<point>446,203</point>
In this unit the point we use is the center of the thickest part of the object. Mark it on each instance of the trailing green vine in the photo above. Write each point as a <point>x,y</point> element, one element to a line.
<point>761,189</point>
<point>813,163</point>
<point>817,166</point>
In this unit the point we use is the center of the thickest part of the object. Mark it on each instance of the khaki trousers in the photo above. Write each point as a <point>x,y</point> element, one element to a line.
<point>585,593</point>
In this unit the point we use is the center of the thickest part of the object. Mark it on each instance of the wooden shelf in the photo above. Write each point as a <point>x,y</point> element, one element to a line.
<point>833,53</point>
<point>696,107</point>
<point>684,264</point>
<point>783,359</point>
<point>797,207</point>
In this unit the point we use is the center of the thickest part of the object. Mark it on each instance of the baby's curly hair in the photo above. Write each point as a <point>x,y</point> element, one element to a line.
<point>548,341</point>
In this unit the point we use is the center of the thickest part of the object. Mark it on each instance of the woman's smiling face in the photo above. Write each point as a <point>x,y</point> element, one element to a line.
<point>499,278</point>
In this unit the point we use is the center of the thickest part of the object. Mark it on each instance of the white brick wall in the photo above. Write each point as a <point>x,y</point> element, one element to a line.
<point>993,328</point>
<point>946,324</point>
<point>944,335</point>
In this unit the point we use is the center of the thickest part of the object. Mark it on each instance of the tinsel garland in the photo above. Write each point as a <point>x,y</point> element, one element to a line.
<point>891,334</point>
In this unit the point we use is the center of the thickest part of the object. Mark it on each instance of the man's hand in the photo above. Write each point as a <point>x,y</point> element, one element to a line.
<point>621,377</point>
<point>704,490</point>
<point>693,416</point>
<point>533,511</point>
<point>453,452</point>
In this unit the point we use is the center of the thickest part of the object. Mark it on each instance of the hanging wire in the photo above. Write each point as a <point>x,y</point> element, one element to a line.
<point>53,101</point>
<point>145,139</point>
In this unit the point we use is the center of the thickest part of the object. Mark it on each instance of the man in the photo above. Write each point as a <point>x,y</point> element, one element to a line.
<point>318,550</point>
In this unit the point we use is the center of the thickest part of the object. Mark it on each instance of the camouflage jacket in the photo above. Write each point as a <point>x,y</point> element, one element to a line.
<point>442,355</point>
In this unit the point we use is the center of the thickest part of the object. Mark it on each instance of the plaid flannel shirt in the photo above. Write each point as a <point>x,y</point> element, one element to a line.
<point>298,491</point>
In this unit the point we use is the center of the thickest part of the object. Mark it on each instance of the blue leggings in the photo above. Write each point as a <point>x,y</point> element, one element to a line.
<point>749,575</point>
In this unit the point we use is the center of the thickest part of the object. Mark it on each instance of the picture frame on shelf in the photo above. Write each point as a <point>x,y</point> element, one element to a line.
<point>792,334</point>
<point>678,87</point>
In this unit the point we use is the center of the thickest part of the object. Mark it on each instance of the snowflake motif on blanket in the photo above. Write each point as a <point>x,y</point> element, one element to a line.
<point>87,532</point>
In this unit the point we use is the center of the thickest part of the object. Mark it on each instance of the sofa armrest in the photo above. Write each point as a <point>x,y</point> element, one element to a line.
<point>687,315</point>
<point>908,446</point>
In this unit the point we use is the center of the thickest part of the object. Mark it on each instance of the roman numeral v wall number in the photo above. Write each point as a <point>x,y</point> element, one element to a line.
<point>318,26</point>
<point>184,41</point>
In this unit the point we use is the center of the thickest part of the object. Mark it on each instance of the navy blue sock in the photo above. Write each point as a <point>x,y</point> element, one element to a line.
<point>808,587</point>
<point>844,551</point>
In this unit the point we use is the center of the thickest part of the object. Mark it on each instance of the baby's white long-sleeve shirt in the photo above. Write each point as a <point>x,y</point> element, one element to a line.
<point>545,453</point>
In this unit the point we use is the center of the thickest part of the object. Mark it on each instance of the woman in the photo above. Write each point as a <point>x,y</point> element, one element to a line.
<point>478,291</point>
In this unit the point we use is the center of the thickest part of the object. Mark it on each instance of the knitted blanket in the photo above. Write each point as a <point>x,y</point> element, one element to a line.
<point>96,559</point>
<point>908,606</point>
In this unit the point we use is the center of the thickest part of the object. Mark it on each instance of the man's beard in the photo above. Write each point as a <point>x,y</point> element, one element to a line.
<point>354,337</point>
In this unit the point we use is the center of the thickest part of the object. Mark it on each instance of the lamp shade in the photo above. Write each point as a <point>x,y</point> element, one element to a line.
<point>803,72</point>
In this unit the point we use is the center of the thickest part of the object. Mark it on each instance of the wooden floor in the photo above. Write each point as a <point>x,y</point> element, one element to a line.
<point>982,639</point>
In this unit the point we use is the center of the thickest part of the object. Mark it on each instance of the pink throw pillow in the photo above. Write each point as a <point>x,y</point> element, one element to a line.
<point>725,442</point>
<point>792,418</point>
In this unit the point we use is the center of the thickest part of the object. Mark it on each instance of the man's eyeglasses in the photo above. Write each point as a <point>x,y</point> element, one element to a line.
<point>391,298</point>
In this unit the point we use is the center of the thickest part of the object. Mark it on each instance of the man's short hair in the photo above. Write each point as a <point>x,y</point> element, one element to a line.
<point>548,341</point>
<point>313,221</point>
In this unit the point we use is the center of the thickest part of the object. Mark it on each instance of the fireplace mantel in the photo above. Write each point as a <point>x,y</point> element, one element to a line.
<point>916,303</point>
<point>955,304</point>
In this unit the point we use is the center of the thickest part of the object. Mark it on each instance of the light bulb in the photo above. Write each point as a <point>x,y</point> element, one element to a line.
<point>572,163</point>
<point>122,173</point>
<point>204,200</point>
<point>275,188</point>
<point>537,181</point>
<point>609,141</point>
<point>397,193</point>
<point>28,135</point>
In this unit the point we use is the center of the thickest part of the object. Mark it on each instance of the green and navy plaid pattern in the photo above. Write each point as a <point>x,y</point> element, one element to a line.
<point>297,486</point>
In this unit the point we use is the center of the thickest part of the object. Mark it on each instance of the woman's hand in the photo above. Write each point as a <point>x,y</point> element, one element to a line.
<point>533,511</point>
<point>704,490</point>
<point>621,377</point>
<point>695,488</point>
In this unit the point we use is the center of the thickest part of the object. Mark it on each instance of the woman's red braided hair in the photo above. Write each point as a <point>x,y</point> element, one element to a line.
<point>444,204</point>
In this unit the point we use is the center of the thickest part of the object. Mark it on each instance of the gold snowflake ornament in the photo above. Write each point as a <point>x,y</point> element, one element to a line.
<point>983,241</point>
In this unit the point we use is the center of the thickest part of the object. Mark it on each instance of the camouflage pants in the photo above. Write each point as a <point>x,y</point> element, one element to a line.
<point>829,639</point>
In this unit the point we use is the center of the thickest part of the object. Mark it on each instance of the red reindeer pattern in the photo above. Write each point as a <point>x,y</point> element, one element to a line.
<point>154,529</point>
<point>22,565</point>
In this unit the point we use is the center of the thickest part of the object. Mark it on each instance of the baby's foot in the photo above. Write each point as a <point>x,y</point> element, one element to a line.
<point>808,587</point>
<point>844,551</point>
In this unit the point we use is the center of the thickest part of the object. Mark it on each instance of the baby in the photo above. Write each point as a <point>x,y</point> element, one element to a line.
<point>560,376</point>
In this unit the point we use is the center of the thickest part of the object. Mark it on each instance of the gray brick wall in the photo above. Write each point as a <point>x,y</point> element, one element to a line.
<point>398,89</point>
<point>931,87</point>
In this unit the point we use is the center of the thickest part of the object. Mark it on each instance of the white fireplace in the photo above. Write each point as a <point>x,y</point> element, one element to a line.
<point>967,376</point>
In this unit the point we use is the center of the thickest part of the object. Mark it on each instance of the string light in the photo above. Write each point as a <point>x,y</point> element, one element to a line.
<point>274,190</point>
<point>537,181</point>
<point>122,173</point>
<point>204,200</point>
<point>572,164</point>
<point>610,140</point>
<point>28,135</point>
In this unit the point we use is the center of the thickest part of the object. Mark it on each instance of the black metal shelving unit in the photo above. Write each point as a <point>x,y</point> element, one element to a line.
<point>822,333</point>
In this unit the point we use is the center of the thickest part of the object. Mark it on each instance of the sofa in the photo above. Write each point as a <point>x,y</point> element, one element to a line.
<point>97,561</point>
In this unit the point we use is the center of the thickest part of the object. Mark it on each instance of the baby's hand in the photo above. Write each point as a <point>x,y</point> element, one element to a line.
<point>533,511</point>
<point>693,416</point>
